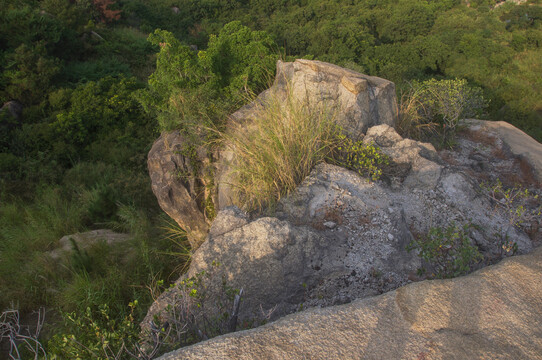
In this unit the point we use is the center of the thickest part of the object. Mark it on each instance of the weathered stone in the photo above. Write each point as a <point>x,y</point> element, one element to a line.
<point>299,257</point>
<point>357,102</point>
<point>182,181</point>
<point>361,101</point>
<point>515,141</point>
<point>495,313</point>
<point>413,164</point>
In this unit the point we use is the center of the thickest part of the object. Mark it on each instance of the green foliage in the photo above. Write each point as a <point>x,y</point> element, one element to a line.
<point>96,335</point>
<point>448,252</point>
<point>365,159</point>
<point>189,89</point>
<point>96,108</point>
<point>439,105</point>
<point>29,73</point>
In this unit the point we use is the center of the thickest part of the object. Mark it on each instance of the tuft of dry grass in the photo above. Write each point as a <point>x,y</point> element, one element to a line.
<point>286,139</point>
<point>413,116</point>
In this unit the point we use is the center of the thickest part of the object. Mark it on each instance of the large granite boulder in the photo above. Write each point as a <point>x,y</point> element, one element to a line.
<point>356,101</point>
<point>494,313</point>
<point>339,237</point>
<point>190,184</point>
<point>361,101</point>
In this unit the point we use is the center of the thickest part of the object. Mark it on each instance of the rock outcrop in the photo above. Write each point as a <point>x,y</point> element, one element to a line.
<point>356,101</point>
<point>494,313</point>
<point>182,181</point>
<point>339,237</point>
<point>191,184</point>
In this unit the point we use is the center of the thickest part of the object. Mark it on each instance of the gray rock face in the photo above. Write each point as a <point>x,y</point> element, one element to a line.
<point>413,164</point>
<point>339,237</point>
<point>295,260</point>
<point>495,313</point>
<point>357,101</point>
<point>182,181</point>
<point>361,101</point>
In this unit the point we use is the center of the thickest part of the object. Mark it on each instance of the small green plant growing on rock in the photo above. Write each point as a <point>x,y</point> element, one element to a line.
<point>516,204</point>
<point>365,159</point>
<point>448,251</point>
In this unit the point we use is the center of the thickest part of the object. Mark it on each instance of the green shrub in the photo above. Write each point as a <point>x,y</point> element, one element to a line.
<point>438,105</point>
<point>96,335</point>
<point>365,159</point>
<point>448,252</point>
<point>190,90</point>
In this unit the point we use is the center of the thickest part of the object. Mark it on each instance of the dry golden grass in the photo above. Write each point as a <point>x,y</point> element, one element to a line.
<point>412,121</point>
<point>285,141</point>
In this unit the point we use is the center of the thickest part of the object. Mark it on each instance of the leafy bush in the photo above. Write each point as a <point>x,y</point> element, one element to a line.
<point>439,105</point>
<point>191,90</point>
<point>365,159</point>
<point>97,335</point>
<point>448,251</point>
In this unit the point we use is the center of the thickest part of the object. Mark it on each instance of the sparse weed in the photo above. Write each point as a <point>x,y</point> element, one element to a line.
<point>518,205</point>
<point>365,159</point>
<point>432,109</point>
<point>448,252</point>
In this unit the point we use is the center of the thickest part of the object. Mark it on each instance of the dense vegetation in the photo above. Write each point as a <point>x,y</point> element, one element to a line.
<point>99,79</point>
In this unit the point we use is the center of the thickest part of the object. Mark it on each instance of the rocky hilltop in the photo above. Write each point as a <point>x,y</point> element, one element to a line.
<point>339,238</point>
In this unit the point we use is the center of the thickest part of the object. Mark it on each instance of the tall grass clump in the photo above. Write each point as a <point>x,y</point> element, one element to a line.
<point>286,139</point>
